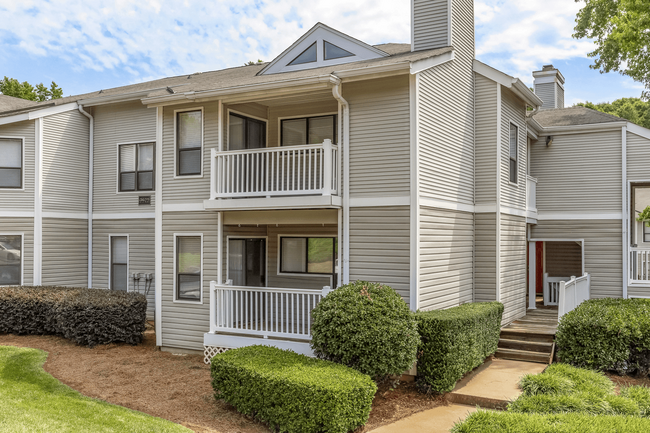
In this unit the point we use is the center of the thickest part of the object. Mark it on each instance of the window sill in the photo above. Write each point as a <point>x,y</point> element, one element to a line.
<point>184,301</point>
<point>304,274</point>
<point>189,176</point>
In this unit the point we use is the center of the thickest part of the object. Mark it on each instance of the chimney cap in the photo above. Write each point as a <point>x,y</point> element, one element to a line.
<point>548,68</point>
<point>549,71</point>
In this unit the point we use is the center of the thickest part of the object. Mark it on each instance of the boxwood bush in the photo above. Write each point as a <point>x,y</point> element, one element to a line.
<point>85,316</point>
<point>454,342</point>
<point>607,334</point>
<point>366,326</point>
<point>292,392</point>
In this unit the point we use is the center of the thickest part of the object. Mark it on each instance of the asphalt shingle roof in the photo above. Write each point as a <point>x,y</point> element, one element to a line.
<point>573,116</point>
<point>9,103</point>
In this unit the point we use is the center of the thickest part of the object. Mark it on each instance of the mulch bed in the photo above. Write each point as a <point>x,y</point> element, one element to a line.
<point>177,387</point>
<point>620,381</point>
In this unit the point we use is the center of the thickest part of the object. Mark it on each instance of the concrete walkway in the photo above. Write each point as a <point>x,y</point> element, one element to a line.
<point>490,386</point>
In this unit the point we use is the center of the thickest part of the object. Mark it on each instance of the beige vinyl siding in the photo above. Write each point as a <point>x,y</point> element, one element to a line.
<point>512,271</point>
<point>446,258</point>
<point>183,324</point>
<point>65,252</point>
<point>380,246</point>
<point>25,226</point>
<point>189,189</point>
<point>486,140</point>
<point>306,109</point>
<point>603,250</point>
<point>430,24</point>
<point>274,279</point>
<point>638,156</point>
<point>13,199</point>
<point>513,110</point>
<point>578,173</point>
<point>638,292</point>
<point>141,252</point>
<point>563,259</point>
<point>119,123</point>
<point>65,162</point>
<point>485,277</point>
<point>546,93</point>
<point>379,137</point>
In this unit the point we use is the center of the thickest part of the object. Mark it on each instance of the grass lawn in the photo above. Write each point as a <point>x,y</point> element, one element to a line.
<point>33,401</point>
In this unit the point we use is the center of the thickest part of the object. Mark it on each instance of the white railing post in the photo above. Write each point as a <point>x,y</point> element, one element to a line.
<point>213,307</point>
<point>327,168</point>
<point>326,290</point>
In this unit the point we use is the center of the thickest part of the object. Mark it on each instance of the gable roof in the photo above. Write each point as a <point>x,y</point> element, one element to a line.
<point>320,32</point>
<point>9,103</point>
<point>573,116</point>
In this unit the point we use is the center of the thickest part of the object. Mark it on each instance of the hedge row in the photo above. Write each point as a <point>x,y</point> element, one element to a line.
<point>85,316</point>
<point>607,334</point>
<point>455,341</point>
<point>292,392</point>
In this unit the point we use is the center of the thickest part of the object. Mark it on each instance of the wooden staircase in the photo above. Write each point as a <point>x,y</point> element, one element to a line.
<point>530,338</point>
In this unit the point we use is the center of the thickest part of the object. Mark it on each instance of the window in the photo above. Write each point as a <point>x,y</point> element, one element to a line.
<point>646,233</point>
<point>11,163</point>
<point>513,152</point>
<point>247,262</point>
<point>333,52</point>
<point>306,255</point>
<point>245,132</point>
<point>10,260</point>
<point>136,167</point>
<point>189,141</point>
<point>188,268</point>
<point>119,263</point>
<point>307,56</point>
<point>308,130</point>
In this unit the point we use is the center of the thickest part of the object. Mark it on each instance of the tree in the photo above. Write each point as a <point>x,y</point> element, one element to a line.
<point>24,90</point>
<point>633,109</point>
<point>621,32</point>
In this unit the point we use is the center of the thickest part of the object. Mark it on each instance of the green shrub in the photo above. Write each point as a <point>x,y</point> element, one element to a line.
<point>509,422</point>
<point>607,334</point>
<point>366,326</point>
<point>581,402</point>
<point>292,392</point>
<point>455,341</point>
<point>535,384</point>
<point>85,316</point>
<point>581,380</point>
<point>640,395</point>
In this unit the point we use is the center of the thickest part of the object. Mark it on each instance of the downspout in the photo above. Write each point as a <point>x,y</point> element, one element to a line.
<point>336,92</point>
<point>90,194</point>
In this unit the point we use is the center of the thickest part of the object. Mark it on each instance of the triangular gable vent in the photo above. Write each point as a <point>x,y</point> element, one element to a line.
<point>321,46</point>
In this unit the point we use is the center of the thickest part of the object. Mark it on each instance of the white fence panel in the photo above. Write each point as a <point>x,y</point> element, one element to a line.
<point>552,289</point>
<point>639,266</point>
<point>573,293</point>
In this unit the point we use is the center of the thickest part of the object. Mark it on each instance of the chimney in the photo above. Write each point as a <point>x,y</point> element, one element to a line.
<point>443,23</point>
<point>549,86</point>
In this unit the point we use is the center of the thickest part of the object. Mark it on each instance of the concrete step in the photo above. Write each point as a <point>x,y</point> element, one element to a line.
<point>523,355</point>
<point>529,346</point>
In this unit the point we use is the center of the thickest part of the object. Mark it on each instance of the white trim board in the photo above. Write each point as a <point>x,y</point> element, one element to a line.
<point>37,114</point>
<point>379,201</point>
<point>638,130</point>
<point>424,64</point>
<point>123,216</point>
<point>183,207</point>
<point>542,216</point>
<point>445,204</point>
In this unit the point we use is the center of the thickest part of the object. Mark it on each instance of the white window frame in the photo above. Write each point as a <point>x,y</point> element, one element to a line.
<point>117,183</point>
<point>185,301</point>
<point>184,110</point>
<point>23,168</point>
<point>513,123</point>
<point>110,259</point>
<point>303,274</point>
<point>22,253</point>
<point>266,258</point>
<point>241,113</point>
<point>303,116</point>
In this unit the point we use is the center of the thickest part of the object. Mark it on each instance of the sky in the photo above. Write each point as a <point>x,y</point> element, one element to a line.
<point>86,46</point>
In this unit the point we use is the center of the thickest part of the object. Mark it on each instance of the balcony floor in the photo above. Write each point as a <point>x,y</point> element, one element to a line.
<point>264,203</point>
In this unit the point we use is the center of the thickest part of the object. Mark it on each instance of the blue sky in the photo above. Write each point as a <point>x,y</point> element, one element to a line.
<point>86,46</point>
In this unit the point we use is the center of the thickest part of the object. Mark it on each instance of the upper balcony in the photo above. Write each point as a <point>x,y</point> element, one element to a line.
<point>275,177</point>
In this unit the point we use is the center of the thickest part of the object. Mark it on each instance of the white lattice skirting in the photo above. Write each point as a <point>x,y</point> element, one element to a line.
<point>210,351</point>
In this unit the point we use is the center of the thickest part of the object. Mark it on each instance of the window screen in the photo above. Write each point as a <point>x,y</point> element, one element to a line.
<point>308,130</point>
<point>136,167</point>
<point>513,153</point>
<point>189,141</point>
<point>11,163</point>
<point>119,263</point>
<point>10,260</point>
<point>308,255</point>
<point>188,268</point>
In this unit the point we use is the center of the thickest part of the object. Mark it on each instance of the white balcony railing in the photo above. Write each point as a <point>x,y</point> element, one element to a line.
<point>573,293</point>
<point>639,265</point>
<point>531,195</point>
<point>263,311</point>
<point>276,171</point>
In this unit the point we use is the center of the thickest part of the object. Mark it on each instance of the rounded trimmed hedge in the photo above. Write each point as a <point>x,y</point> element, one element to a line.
<point>607,334</point>
<point>366,326</point>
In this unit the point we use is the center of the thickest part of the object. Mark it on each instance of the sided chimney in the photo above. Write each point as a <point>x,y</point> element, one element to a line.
<point>443,23</point>
<point>549,86</point>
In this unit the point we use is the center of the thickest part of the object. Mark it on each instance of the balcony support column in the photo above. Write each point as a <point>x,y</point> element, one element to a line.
<point>532,290</point>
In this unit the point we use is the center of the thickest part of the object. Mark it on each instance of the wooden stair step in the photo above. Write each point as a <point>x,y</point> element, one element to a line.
<point>526,336</point>
<point>523,355</point>
<point>529,346</point>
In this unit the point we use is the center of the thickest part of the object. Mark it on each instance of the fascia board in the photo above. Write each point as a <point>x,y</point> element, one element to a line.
<point>534,124</point>
<point>580,129</point>
<point>123,97</point>
<point>638,130</point>
<point>424,64</point>
<point>507,81</point>
<point>37,114</point>
<point>401,67</point>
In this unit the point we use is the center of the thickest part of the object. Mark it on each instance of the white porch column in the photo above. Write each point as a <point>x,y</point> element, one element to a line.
<point>220,248</point>
<point>531,275</point>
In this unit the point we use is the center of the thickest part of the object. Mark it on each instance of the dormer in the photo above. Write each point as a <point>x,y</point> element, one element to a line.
<point>321,46</point>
